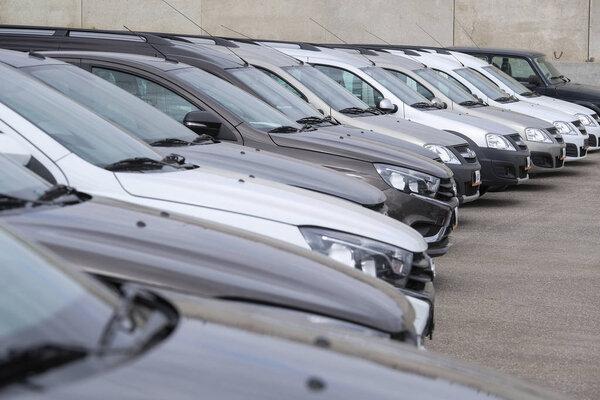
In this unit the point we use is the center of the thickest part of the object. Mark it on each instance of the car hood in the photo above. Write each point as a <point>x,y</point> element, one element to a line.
<point>359,146</point>
<point>270,166</point>
<point>216,352</point>
<point>513,119</point>
<point>119,240</point>
<point>407,130</point>
<point>537,111</point>
<point>562,105</point>
<point>464,123</point>
<point>236,193</point>
<point>579,91</point>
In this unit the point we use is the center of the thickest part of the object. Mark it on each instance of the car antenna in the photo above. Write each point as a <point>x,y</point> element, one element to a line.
<point>204,30</point>
<point>151,45</point>
<point>372,34</point>
<point>465,31</point>
<point>342,40</point>
<point>274,48</point>
<point>441,45</point>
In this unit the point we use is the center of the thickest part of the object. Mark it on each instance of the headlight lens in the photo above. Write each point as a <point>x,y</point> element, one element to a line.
<point>537,135</point>
<point>564,128</point>
<point>408,181</point>
<point>498,142</point>
<point>446,155</point>
<point>586,120</point>
<point>374,258</point>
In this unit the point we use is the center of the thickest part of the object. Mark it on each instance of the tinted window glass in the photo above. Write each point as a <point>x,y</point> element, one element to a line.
<point>453,80</point>
<point>75,127</point>
<point>156,95</point>
<point>18,182</point>
<point>518,68</point>
<point>394,85</point>
<point>283,83</point>
<point>353,84</point>
<point>549,69</point>
<point>326,89</point>
<point>112,103</point>
<point>413,84</point>
<point>490,90</point>
<point>508,80</point>
<point>446,86</point>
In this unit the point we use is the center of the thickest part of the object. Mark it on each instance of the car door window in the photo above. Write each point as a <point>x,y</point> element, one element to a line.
<point>283,83</point>
<point>518,68</point>
<point>413,84</point>
<point>152,93</point>
<point>353,84</point>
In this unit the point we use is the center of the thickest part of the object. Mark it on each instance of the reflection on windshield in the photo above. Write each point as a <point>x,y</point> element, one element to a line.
<point>325,88</point>
<point>395,85</point>
<point>508,80</point>
<point>79,130</point>
<point>18,182</point>
<point>549,70</point>
<point>245,106</point>
<point>274,94</point>
<point>489,90</point>
<point>447,87</point>
<point>112,103</point>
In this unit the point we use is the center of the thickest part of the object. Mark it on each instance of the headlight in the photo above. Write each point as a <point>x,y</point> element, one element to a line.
<point>564,128</point>
<point>408,181</point>
<point>537,135</point>
<point>586,120</point>
<point>499,142</point>
<point>374,258</point>
<point>446,155</point>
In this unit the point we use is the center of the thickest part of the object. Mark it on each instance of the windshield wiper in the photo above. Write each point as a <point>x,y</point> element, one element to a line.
<point>203,138</point>
<point>504,99</point>
<point>171,142</point>
<point>284,129</point>
<point>469,103</point>
<point>422,104</point>
<point>136,164</point>
<point>353,110</point>
<point>310,120</point>
<point>374,110</point>
<point>20,364</point>
<point>58,191</point>
<point>7,202</point>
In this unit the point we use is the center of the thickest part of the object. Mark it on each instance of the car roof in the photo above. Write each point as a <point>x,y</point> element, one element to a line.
<point>17,59</point>
<point>502,52</point>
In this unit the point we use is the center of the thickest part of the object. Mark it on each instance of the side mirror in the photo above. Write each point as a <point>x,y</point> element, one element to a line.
<point>534,80</point>
<point>203,123</point>
<point>14,150</point>
<point>439,103</point>
<point>387,106</point>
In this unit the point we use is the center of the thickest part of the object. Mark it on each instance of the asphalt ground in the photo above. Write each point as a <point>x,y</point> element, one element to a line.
<point>520,289</point>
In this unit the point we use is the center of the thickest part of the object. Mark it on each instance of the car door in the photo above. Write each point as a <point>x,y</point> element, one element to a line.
<point>157,92</point>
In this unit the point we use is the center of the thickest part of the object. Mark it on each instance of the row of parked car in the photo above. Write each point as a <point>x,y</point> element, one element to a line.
<point>257,217</point>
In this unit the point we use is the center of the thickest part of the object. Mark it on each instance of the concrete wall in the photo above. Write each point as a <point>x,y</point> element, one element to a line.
<point>557,27</point>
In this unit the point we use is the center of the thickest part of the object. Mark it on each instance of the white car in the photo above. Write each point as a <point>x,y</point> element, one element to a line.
<point>577,139</point>
<point>515,88</point>
<point>546,145</point>
<point>67,144</point>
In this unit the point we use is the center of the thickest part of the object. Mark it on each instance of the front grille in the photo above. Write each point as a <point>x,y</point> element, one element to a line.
<point>593,142</point>
<point>518,141</point>
<point>446,190</point>
<point>545,160</point>
<point>572,150</point>
<point>420,273</point>
<point>580,126</point>
<point>469,189</point>
<point>466,152</point>
<point>554,133</point>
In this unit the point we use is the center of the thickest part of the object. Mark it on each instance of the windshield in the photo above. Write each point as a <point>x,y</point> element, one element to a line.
<point>245,106</point>
<point>274,94</point>
<point>79,130</point>
<point>508,80</point>
<point>112,103</point>
<point>325,88</point>
<point>549,70</point>
<point>42,301</point>
<point>447,87</point>
<point>19,182</point>
<point>486,87</point>
<point>395,85</point>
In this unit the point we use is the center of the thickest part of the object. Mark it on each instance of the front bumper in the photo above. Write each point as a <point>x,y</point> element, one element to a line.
<point>546,157</point>
<point>468,179</point>
<point>432,218</point>
<point>424,310</point>
<point>503,168</point>
<point>577,146</point>
<point>594,137</point>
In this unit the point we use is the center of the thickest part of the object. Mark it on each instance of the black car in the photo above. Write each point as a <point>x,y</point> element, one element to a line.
<point>131,243</point>
<point>66,336</point>
<point>346,150</point>
<point>537,73</point>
